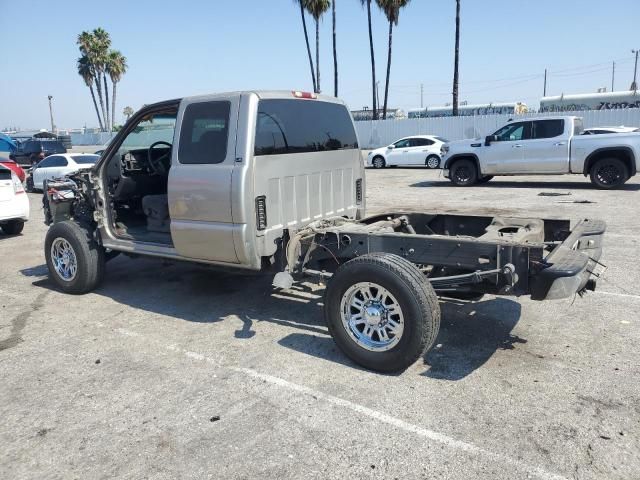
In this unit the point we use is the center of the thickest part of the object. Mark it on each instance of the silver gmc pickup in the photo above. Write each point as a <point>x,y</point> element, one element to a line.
<point>274,182</point>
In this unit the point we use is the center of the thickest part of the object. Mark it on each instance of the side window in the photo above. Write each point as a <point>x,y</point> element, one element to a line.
<point>58,161</point>
<point>402,143</point>
<point>514,132</point>
<point>205,132</point>
<point>420,142</point>
<point>47,162</point>
<point>547,129</point>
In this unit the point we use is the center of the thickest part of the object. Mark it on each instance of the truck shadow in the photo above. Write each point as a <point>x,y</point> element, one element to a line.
<point>540,185</point>
<point>469,335</point>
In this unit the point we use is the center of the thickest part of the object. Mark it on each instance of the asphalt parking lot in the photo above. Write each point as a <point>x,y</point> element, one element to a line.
<point>170,370</point>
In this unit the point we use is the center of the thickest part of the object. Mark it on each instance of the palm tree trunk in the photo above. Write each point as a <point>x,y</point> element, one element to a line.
<point>106,99</point>
<point>373,63</point>
<point>95,104</point>
<point>113,104</point>
<point>386,85</point>
<point>456,60</point>
<point>104,115</point>
<point>317,55</point>
<point>335,52</point>
<point>306,38</point>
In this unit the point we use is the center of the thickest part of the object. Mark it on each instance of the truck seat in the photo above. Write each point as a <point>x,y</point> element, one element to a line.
<point>156,209</point>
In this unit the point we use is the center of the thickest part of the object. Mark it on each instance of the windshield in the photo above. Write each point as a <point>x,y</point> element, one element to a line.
<point>85,159</point>
<point>155,128</point>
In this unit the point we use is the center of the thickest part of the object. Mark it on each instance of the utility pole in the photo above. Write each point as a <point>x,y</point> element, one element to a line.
<point>613,75</point>
<point>634,85</point>
<point>53,127</point>
<point>544,93</point>
<point>422,95</point>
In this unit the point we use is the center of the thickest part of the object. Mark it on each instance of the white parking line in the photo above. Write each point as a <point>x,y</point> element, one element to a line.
<point>627,295</point>
<point>374,414</point>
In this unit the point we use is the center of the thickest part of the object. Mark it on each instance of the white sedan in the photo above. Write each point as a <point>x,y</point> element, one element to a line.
<point>57,166</point>
<point>14,203</point>
<point>415,150</point>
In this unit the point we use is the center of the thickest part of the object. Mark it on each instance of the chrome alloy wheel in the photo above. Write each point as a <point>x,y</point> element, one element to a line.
<point>64,259</point>
<point>433,162</point>
<point>372,316</point>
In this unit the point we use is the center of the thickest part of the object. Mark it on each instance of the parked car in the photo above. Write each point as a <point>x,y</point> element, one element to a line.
<point>605,130</point>
<point>57,166</point>
<point>14,167</point>
<point>548,146</point>
<point>274,182</point>
<point>33,150</point>
<point>14,204</point>
<point>415,150</point>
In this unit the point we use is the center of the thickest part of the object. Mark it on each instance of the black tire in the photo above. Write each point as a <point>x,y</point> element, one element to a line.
<point>88,254</point>
<point>463,173</point>
<point>13,227</point>
<point>484,179</point>
<point>432,161</point>
<point>609,173</point>
<point>378,162</point>
<point>29,184</point>
<point>414,295</point>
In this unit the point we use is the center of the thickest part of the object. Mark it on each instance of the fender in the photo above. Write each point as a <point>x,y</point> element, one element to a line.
<point>596,153</point>
<point>471,156</point>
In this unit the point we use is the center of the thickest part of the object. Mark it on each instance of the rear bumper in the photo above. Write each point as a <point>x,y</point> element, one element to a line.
<point>570,266</point>
<point>15,209</point>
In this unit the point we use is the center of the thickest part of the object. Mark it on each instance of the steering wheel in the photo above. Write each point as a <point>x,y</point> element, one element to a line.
<point>158,164</point>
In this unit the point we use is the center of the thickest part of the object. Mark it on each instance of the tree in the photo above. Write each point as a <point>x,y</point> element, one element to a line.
<point>316,9</point>
<point>127,112</point>
<point>373,59</point>
<point>86,72</point>
<point>456,61</point>
<point>301,3</point>
<point>116,68</point>
<point>94,46</point>
<point>101,46</point>
<point>391,9</point>
<point>335,52</point>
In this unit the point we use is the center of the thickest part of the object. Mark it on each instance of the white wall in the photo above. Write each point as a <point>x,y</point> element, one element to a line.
<point>383,132</point>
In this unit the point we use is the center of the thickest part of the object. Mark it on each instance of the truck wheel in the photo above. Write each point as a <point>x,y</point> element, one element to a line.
<point>432,161</point>
<point>29,184</point>
<point>75,260</point>
<point>484,179</point>
<point>463,173</point>
<point>13,227</point>
<point>608,173</point>
<point>381,311</point>
<point>379,162</point>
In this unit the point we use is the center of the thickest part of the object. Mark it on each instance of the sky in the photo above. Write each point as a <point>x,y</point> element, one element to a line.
<point>176,49</point>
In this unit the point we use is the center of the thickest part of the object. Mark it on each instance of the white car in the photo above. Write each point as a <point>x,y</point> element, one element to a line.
<point>56,166</point>
<point>14,203</point>
<point>605,130</point>
<point>415,150</point>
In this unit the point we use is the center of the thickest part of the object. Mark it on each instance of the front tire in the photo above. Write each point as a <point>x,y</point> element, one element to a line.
<point>381,311</point>
<point>13,227</point>
<point>463,173</point>
<point>609,173</point>
<point>74,259</point>
<point>432,161</point>
<point>378,162</point>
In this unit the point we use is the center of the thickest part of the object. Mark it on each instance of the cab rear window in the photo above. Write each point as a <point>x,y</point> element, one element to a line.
<point>298,126</point>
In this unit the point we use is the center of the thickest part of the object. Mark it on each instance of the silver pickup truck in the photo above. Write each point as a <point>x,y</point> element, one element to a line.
<point>274,182</point>
<point>544,146</point>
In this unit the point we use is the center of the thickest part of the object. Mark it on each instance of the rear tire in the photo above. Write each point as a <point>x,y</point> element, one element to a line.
<point>378,162</point>
<point>13,227</point>
<point>432,161</point>
<point>29,187</point>
<point>391,326</point>
<point>463,173</point>
<point>609,173</point>
<point>74,259</point>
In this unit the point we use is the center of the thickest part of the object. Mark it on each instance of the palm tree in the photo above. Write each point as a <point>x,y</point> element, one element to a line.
<point>102,45</point>
<point>456,61</point>
<point>316,9</point>
<point>93,48</point>
<point>373,59</point>
<point>335,53</point>
<point>391,9</point>
<point>301,3</point>
<point>116,68</point>
<point>86,72</point>
<point>127,112</point>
